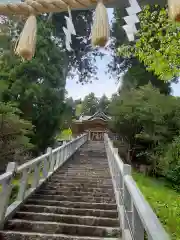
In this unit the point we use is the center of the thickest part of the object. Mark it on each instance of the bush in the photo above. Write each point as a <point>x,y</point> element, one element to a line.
<point>170,162</point>
<point>14,131</point>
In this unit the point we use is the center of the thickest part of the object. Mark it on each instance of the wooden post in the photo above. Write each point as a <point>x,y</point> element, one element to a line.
<point>6,192</point>
<point>23,185</point>
<point>36,176</point>
<point>116,151</point>
<point>127,202</point>
<point>138,229</point>
<point>45,167</point>
<point>89,135</point>
<point>51,159</point>
<point>57,158</point>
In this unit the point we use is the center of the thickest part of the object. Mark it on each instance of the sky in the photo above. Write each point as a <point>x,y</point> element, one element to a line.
<point>104,84</point>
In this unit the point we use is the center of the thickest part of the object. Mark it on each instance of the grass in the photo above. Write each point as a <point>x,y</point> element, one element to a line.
<point>164,200</point>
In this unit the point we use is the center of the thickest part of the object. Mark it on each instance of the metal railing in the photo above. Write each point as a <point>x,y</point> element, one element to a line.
<point>31,175</point>
<point>137,219</point>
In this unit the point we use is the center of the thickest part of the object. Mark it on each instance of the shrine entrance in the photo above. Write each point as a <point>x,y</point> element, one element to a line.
<point>96,135</point>
<point>95,126</point>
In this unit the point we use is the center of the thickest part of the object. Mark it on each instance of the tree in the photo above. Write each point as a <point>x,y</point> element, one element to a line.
<point>90,104</point>
<point>14,133</point>
<point>68,112</point>
<point>147,121</point>
<point>157,46</point>
<point>81,60</point>
<point>169,162</point>
<point>104,104</point>
<point>137,76</point>
<point>119,63</point>
<point>38,86</point>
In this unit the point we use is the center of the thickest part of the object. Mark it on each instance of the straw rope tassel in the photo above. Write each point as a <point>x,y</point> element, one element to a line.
<point>100,28</point>
<point>174,10</point>
<point>27,40</point>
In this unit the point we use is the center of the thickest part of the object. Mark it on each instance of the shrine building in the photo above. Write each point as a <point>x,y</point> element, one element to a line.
<point>96,125</point>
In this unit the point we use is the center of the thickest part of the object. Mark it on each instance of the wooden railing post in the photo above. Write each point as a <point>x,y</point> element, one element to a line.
<point>116,150</point>
<point>60,157</point>
<point>57,159</point>
<point>23,185</point>
<point>47,162</point>
<point>6,192</point>
<point>68,149</point>
<point>138,229</point>
<point>51,160</point>
<point>135,215</point>
<point>45,167</point>
<point>127,203</point>
<point>36,176</point>
<point>65,153</point>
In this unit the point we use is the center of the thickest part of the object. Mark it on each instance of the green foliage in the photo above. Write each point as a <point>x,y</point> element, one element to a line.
<point>158,43</point>
<point>68,113</point>
<point>164,201</point>
<point>81,61</point>
<point>125,65</point>
<point>170,162</point>
<point>14,135</point>
<point>119,63</point>
<point>38,86</point>
<point>146,120</point>
<point>137,76</point>
<point>103,104</point>
<point>66,134</point>
<point>78,110</point>
<point>92,104</point>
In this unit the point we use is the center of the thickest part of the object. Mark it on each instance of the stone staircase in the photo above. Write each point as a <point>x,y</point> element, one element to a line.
<point>77,202</point>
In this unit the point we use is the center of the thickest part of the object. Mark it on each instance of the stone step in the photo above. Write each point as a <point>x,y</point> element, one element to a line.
<point>105,206</point>
<point>61,228</point>
<point>81,181</point>
<point>102,173</point>
<point>89,160</point>
<point>79,176</point>
<point>69,219</point>
<point>78,188</point>
<point>76,202</point>
<point>15,235</point>
<point>75,193</point>
<point>86,162</point>
<point>88,167</point>
<point>97,171</point>
<point>69,211</point>
<point>78,185</point>
<point>75,198</point>
<point>90,164</point>
<point>91,174</point>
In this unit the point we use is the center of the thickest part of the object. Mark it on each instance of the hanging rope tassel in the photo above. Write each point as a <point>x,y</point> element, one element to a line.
<point>100,28</point>
<point>27,40</point>
<point>174,10</point>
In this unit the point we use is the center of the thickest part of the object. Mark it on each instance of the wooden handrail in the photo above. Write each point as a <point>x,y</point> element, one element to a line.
<point>135,214</point>
<point>38,171</point>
